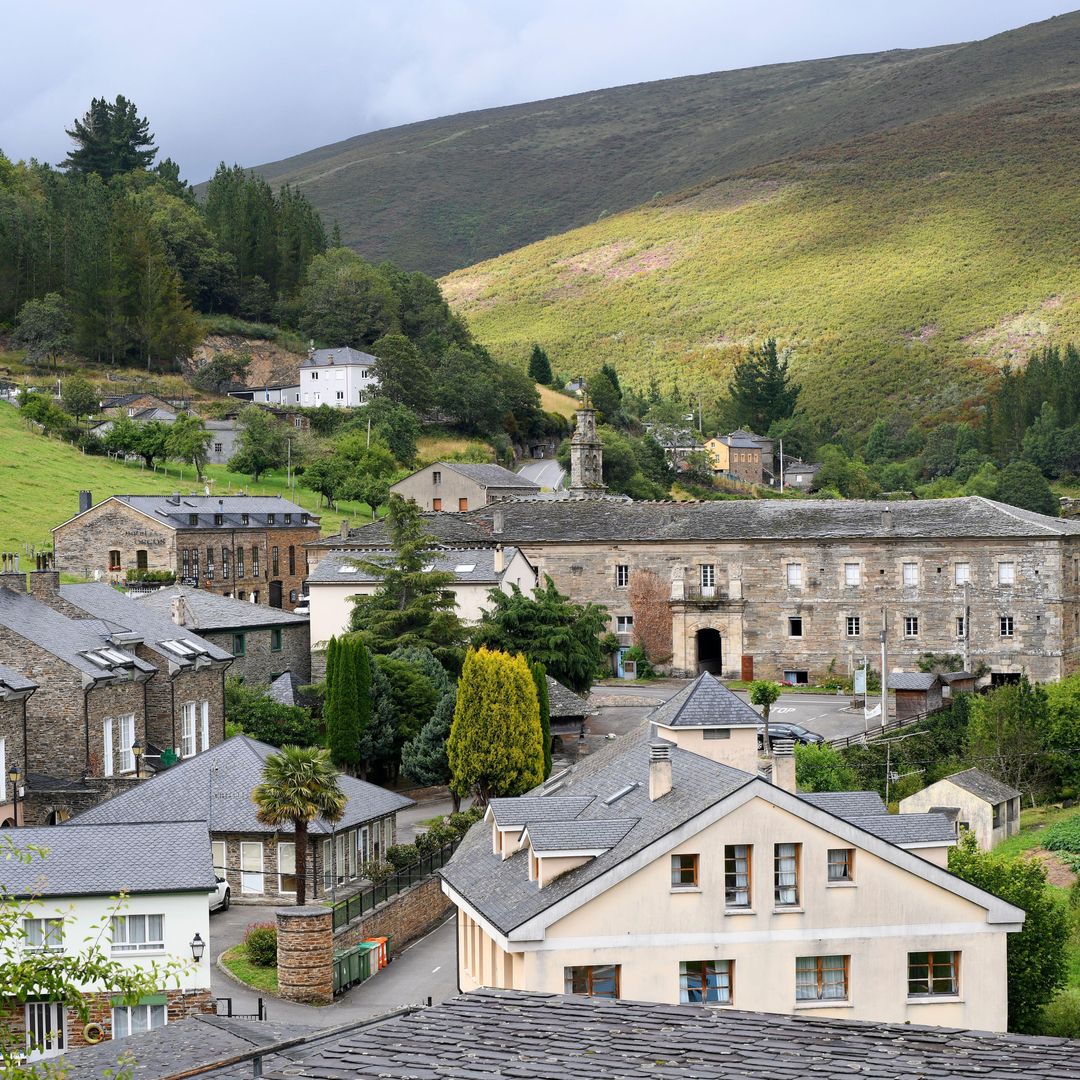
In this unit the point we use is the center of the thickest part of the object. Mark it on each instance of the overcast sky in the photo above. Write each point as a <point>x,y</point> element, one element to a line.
<point>257,80</point>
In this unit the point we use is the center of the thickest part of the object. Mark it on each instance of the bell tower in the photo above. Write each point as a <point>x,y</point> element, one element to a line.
<point>586,452</point>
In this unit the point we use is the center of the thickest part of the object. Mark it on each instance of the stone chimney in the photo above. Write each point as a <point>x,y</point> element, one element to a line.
<point>344,528</point>
<point>783,764</point>
<point>659,770</point>
<point>497,522</point>
<point>86,500</point>
<point>11,577</point>
<point>44,580</point>
<point>499,559</point>
<point>180,611</point>
<point>886,520</point>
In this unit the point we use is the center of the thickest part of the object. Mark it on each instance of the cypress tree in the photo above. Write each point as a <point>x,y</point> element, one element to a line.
<point>363,689</point>
<point>340,712</point>
<point>540,366</point>
<point>539,674</point>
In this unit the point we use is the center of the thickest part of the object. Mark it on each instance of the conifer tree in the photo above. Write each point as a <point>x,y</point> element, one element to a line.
<point>340,713</point>
<point>761,390</point>
<point>540,366</point>
<point>539,674</point>
<point>111,139</point>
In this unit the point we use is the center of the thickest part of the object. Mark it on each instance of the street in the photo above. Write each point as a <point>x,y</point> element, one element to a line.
<point>547,473</point>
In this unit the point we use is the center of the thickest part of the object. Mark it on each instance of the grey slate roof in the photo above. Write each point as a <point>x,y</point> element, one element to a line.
<point>908,829</point>
<point>102,860</point>
<point>339,567</point>
<point>10,679</point>
<point>176,514</point>
<point>706,702</point>
<point>285,689</point>
<point>490,475</point>
<point>954,676</point>
<point>338,357</point>
<point>513,812</point>
<point>555,836</point>
<point>504,1034</point>
<point>450,529</point>
<point>748,519</point>
<point>911,680</point>
<point>847,804</point>
<point>125,613</point>
<point>983,785</point>
<point>224,777</point>
<point>212,612</point>
<point>563,702</point>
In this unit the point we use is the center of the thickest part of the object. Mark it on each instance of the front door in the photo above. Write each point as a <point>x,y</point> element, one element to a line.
<point>747,673</point>
<point>44,1029</point>
<point>251,868</point>
<point>275,594</point>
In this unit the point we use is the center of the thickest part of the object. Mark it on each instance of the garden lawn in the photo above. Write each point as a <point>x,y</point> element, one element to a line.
<point>238,965</point>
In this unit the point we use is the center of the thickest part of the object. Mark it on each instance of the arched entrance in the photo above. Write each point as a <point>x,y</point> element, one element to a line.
<point>710,651</point>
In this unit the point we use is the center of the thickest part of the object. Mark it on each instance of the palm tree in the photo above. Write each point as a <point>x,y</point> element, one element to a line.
<point>299,784</point>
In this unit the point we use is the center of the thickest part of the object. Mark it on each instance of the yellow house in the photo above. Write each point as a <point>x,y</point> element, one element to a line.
<point>650,871</point>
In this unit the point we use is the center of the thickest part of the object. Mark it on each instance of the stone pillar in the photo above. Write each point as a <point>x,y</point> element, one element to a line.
<point>305,950</point>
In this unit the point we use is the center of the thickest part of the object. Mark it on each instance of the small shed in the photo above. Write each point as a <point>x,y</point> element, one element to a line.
<point>975,801</point>
<point>916,692</point>
<point>567,710</point>
<point>956,682</point>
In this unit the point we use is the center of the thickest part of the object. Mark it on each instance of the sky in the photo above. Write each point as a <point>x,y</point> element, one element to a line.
<point>252,81</point>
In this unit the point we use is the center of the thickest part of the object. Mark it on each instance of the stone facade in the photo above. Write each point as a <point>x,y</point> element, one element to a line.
<point>305,951</point>
<point>448,487</point>
<point>586,453</point>
<point>260,662</point>
<point>402,918</point>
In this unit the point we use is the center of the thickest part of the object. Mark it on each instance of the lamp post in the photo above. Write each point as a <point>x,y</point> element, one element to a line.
<point>13,776</point>
<point>137,753</point>
<point>198,947</point>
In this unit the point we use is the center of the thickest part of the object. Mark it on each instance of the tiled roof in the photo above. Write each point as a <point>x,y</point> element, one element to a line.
<point>471,566</point>
<point>867,810</point>
<point>563,702</point>
<point>504,1034</point>
<point>911,680</point>
<point>954,676</point>
<point>10,679</point>
<point>102,860</point>
<point>706,702</point>
<point>222,779</point>
<point>509,813</point>
<point>847,804</point>
<point>174,511</point>
<point>338,358</point>
<point>210,611</point>
<point>983,785</point>
<point>490,475</point>
<point>555,836</point>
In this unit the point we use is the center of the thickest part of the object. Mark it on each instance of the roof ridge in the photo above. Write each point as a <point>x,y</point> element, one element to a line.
<point>1009,511</point>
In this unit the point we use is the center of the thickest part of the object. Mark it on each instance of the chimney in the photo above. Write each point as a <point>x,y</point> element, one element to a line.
<point>11,577</point>
<point>344,528</point>
<point>783,765</point>
<point>499,560</point>
<point>180,611</point>
<point>497,522</point>
<point>44,580</point>
<point>86,500</point>
<point>886,520</point>
<point>659,770</point>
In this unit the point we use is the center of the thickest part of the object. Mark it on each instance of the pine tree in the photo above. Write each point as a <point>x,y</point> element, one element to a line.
<point>540,366</point>
<point>423,758</point>
<point>539,674</point>
<point>111,139</point>
<point>761,390</point>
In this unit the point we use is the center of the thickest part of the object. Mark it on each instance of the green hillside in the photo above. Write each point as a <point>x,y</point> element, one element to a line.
<point>899,268</point>
<point>442,194</point>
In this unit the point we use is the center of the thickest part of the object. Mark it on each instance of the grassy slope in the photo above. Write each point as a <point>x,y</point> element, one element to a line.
<point>40,480</point>
<point>445,193</point>
<point>899,267</point>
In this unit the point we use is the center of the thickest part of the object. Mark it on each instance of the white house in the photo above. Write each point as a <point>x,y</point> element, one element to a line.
<point>141,891</point>
<point>340,378</point>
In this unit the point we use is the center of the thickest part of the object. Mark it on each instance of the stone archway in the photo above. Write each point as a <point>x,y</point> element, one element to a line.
<point>710,650</point>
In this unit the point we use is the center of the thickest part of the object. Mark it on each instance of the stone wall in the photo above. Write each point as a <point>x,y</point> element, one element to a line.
<point>305,954</point>
<point>402,918</point>
<point>260,664</point>
<point>83,544</point>
<point>165,700</point>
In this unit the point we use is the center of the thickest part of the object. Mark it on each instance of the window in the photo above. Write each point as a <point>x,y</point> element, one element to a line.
<point>340,863</point>
<point>911,626</point>
<point>436,477</point>
<point>684,871</point>
<point>786,874</point>
<point>315,375</point>
<point>624,624</point>
<point>225,564</point>
<point>217,851</point>
<point>708,576</point>
<point>463,504</point>
<point>107,746</point>
<point>910,573</point>
<point>43,935</point>
<point>341,395</point>
<point>436,504</point>
<point>219,519</point>
<point>622,576</point>
<point>195,563</point>
<point>737,875</point>
<point>286,864</point>
<point>327,865</point>
<point>794,573</point>
<point>705,982</point>
<point>45,1029</point>
<point>962,573</point>
<point>600,981</point>
<point>138,933</point>
<point>854,626</point>
<point>132,1019</point>
<point>716,733</point>
<point>114,560</point>
<point>275,639</point>
<point>187,729</point>
<point>125,758</point>
<point>841,864</point>
<point>852,573</point>
<point>204,712</point>
<point>1006,625</point>
<point>239,562</point>
<point>961,626</point>
<point>999,817</point>
<point>209,564</point>
<point>245,519</point>
<point>821,978</point>
<point>354,862</point>
<point>254,562</point>
<point>292,560</point>
<point>930,973</point>
<point>239,645</point>
<point>794,626</point>
<point>1006,573</point>
<point>303,517</point>
<point>141,559</point>
<point>271,519</point>
<point>193,519</point>
<point>288,519</point>
<point>251,868</point>
<point>254,596</point>
<point>185,563</point>
<point>273,562</point>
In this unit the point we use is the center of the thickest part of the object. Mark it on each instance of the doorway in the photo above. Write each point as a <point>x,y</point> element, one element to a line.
<point>710,651</point>
<point>275,594</point>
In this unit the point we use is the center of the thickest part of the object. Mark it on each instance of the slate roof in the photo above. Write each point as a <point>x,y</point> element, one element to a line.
<point>125,613</point>
<point>174,511</point>
<point>101,860</point>
<point>526,808</point>
<point>706,702</point>
<point>554,836</point>
<point>339,567</point>
<point>867,810</point>
<point>503,1034</point>
<point>563,702</point>
<point>490,475</point>
<point>911,680</point>
<point>450,529</point>
<point>847,804</point>
<point>954,676</point>
<point>337,358</point>
<point>10,679</point>
<point>210,611</point>
<point>585,520</point>
<point>983,785</point>
<point>285,689</point>
<point>223,778</point>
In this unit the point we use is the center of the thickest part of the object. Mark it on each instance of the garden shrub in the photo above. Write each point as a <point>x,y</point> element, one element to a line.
<point>376,871</point>
<point>260,940</point>
<point>1064,836</point>
<point>402,855</point>
<point>1061,1017</point>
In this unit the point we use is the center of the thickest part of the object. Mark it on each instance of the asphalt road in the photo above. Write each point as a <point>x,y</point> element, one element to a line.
<point>547,473</point>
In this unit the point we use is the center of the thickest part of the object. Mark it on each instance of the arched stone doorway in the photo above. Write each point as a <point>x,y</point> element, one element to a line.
<point>710,651</point>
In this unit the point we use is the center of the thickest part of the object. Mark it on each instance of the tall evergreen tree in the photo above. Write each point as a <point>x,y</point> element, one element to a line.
<point>539,674</point>
<point>540,366</point>
<point>761,390</point>
<point>347,707</point>
<point>111,138</point>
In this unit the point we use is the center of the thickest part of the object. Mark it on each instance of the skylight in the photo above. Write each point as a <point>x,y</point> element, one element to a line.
<point>348,569</point>
<point>465,568</point>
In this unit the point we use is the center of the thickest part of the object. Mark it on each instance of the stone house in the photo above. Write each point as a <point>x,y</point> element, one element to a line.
<point>264,642</point>
<point>340,378</point>
<point>654,870</point>
<point>916,692</point>
<point>69,893</point>
<point>800,475</point>
<point>250,547</point>
<point>453,486</point>
<point>981,804</point>
<point>737,456</point>
<point>257,860</point>
<point>132,404</point>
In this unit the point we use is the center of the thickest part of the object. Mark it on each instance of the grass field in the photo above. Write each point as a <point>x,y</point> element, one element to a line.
<point>556,402</point>
<point>40,481</point>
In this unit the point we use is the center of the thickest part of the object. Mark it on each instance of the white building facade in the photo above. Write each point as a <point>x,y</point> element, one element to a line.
<point>341,378</point>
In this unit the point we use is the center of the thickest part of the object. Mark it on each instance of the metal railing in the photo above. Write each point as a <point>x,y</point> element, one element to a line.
<point>368,899</point>
<point>863,737</point>
<point>224,1007</point>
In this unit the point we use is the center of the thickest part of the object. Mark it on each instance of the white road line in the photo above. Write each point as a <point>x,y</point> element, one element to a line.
<point>433,970</point>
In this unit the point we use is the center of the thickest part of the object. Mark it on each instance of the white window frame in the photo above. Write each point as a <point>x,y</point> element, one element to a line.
<point>327,865</point>
<point>354,862</point>
<point>204,710</point>
<point>45,1017</point>
<point>125,759</point>
<point>341,864</point>
<point>252,882</point>
<point>49,932</point>
<point>802,627</point>
<point>1006,626</point>
<point>107,746</point>
<point>1007,577</point>
<point>622,575</point>
<point>852,574</point>
<point>624,624</point>
<point>794,575</point>
<point>188,745</point>
<point>911,626</point>
<point>290,846</point>
<point>708,575</point>
<point>129,1011</point>
<point>909,575</point>
<point>854,626</point>
<point>962,573</point>
<point>121,933</point>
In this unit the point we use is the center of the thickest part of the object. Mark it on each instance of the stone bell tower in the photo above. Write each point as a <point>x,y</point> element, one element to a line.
<point>586,452</point>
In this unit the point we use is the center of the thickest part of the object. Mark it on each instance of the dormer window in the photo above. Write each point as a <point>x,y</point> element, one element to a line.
<point>271,519</point>
<point>288,519</point>
<point>193,519</point>
<point>245,519</point>
<point>219,519</point>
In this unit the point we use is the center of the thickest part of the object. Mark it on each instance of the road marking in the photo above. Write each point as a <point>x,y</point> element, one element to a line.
<point>433,970</point>
<point>783,708</point>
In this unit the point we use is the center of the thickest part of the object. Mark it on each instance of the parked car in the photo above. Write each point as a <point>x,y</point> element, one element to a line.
<point>782,730</point>
<point>221,897</point>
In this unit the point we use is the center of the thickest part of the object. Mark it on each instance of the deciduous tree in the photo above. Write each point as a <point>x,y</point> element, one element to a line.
<point>43,328</point>
<point>188,440</point>
<point>261,444</point>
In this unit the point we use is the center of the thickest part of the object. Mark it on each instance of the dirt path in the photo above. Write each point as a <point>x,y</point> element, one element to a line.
<point>1057,872</point>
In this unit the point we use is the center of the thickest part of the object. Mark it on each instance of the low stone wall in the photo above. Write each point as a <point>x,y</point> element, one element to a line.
<point>402,918</point>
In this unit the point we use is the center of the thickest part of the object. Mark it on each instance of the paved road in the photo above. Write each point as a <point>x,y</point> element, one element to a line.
<point>548,473</point>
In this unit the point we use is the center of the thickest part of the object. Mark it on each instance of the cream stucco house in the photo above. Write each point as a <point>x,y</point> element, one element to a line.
<point>976,801</point>
<point>654,870</point>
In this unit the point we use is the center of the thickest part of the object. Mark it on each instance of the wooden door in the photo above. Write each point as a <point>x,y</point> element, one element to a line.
<point>747,673</point>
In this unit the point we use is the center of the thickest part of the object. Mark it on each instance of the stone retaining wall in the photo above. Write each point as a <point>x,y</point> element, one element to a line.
<point>402,918</point>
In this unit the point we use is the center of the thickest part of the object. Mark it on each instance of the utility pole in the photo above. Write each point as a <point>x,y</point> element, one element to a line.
<point>781,465</point>
<point>888,756</point>
<point>884,669</point>
<point>967,630</point>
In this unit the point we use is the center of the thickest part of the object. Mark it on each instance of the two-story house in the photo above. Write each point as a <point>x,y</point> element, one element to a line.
<point>655,870</point>
<point>340,378</point>
<point>457,486</point>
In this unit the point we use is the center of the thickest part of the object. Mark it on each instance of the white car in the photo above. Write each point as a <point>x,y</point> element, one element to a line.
<point>221,897</point>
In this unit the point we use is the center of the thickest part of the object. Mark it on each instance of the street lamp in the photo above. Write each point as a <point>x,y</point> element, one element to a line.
<point>13,776</point>
<point>198,947</point>
<point>137,753</point>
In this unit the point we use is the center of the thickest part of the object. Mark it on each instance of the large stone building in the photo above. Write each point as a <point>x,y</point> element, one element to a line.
<point>250,547</point>
<point>457,486</point>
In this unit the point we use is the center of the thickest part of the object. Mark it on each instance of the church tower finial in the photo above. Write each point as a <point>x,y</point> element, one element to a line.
<point>586,450</point>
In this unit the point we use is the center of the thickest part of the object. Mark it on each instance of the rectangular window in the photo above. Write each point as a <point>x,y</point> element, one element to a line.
<point>271,519</point>
<point>239,645</point>
<point>219,519</point>
<point>961,626</point>
<point>463,505</point>
<point>274,562</point>
<point>187,730</point>
<point>852,573</point>
<point>794,626</point>
<point>932,973</point>
<point>1006,625</point>
<point>303,517</point>
<point>254,562</point>
<point>841,864</point>
<point>786,874</point>
<point>911,626</point>
<point>292,559</point>
<point>275,639</point>
<point>716,733</point>
<point>239,562</point>
<point>854,626</point>
<point>204,726</point>
<point>1006,573</point>
<point>107,746</point>
<point>114,560</point>
<point>217,852</point>
<point>185,563</point>
<point>341,395</point>
<point>708,576</point>
<point>821,978</point>
<point>286,862</point>
<point>737,875</point>
<point>794,573</point>
<point>601,981</point>
<point>288,519</point>
<point>195,563</point>
<point>624,624</point>
<point>126,731</point>
<point>138,933</point>
<point>43,935</point>
<point>962,573</point>
<point>911,573</point>
<point>193,519</point>
<point>436,504</point>
<point>133,1019</point>
<point>705,982</point>
<point>251,868</point>
<point>245,519</point>
<point>684,871</point>
<point>224,564</point>
<point>209,564</point>
<point>354,863</point>
<point>436,477</point>
<point>327,865</point>
<point>622,576</point>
